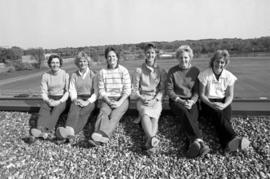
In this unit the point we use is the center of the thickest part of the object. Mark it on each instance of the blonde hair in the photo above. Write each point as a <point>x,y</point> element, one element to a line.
<point>81,55</point>
<point>182,49</point>
<point>218,55</point>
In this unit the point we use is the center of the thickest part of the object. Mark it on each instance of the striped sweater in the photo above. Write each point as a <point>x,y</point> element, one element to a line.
<point>114,82</point>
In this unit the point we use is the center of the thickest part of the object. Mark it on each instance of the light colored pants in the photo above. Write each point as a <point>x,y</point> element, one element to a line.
<point>109,118</point>
<point>78,116</point>
<point>48,116</point>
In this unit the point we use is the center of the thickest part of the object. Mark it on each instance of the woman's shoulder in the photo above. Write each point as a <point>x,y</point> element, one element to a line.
<point>173,69</point>
<point>122,69</point>
<point>228,74</point>
<point>207,71</point>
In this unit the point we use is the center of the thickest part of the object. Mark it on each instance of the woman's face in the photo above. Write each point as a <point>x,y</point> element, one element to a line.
<point>55,64</point>
<point>184,60</point>
<point>150,56</point>
<point>83,64</point>
<point>112,59</point>
<point>219,65</point>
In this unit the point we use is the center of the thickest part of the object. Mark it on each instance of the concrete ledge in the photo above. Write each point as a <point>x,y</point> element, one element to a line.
<point>239,106</point>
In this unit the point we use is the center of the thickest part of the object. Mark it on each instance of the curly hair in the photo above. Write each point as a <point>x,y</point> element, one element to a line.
<point>218,55</point>
<point>182,49</point>
<point>81,55</point>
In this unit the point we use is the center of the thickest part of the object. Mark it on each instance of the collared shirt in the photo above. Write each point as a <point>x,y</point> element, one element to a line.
<point>54,84</point>
<point>83,84</point>
<point>114,82</point>
<point>215,89</point>
<point>148,81</point>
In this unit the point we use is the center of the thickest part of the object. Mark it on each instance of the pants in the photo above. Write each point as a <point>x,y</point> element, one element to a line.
<point>78,116</point>
<point>188,118</point>
<point>109,118</point>
<point>48,116</point>
<point>222,122</point>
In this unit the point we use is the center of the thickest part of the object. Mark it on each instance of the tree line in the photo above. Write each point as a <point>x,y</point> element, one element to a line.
<point>236,46</point>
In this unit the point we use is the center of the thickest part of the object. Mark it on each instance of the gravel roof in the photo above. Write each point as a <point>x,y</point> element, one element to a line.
<point>123,156</point>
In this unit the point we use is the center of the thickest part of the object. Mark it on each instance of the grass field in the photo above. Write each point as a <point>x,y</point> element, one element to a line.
<point>253,76</point>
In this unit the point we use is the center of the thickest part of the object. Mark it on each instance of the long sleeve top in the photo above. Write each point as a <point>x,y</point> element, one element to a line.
<point>83,84</point>
<point>55,85</point>
<point>183,83</point>
<point>114,82</point>
<point>149,81</point>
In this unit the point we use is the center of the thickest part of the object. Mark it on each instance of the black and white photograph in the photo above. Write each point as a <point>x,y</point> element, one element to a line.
<point>134,89</point>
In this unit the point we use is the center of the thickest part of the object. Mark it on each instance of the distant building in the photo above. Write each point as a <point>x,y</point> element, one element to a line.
<point>29,59</point>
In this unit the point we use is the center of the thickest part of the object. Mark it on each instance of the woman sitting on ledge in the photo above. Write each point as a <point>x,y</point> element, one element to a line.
<point>216,92</point>
<point>149,87</point>
<point>54,92</point>
<point>114,89</point>
<point>83,94</point>
<point>183,91</point>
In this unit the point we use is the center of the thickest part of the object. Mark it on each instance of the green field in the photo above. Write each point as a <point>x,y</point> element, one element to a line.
<point>253,76</point>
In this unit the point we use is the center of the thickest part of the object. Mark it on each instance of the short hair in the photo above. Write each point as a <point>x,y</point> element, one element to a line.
<point>218,55</point>
<point>150,46</point>
<point>51,57</point>
<point>182,49</point>
<point>80,55</point>
<point>109,49</point>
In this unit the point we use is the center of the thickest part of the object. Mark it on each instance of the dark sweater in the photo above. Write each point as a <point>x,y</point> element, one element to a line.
<point>183,83</point>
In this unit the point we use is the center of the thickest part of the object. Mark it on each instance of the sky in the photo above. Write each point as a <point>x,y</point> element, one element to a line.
<point>77,23</point>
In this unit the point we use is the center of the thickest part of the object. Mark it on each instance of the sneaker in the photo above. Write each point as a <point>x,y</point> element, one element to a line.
<point>154,141</point>
<point>193,150</point>
<point>238,143</point>
<point>94,143</point>
<point>204,149</point>
<point>35,132</point>
<point>30,140</point>
<point>137,120</point>
<point>244,143</point>
<point>97,137</point>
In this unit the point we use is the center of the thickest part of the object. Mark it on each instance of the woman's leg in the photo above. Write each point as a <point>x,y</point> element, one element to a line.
<point>147,126</point>
<point>189,119</point>
<point>222,123</point>
<point>114,118</point>
<point>55,114</point>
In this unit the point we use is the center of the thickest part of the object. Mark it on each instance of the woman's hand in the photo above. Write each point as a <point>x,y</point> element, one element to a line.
<point>54,103</point>
<point>188,104</point>
<point>150,102</point>
<point>219,106</point>
<point>81,102</point>
<point>115,104</point>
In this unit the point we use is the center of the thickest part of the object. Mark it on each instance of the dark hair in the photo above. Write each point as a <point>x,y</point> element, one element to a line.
<point>52,57</point>
<point>149,46</point>
<point>218,55</point>
<point>108,49</point>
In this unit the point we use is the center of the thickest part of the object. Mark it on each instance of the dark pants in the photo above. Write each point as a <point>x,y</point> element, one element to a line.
<point>109,118</point>
<point>48,116</point>
<point>188,118</point>
<point>222,122</point>
<point>78,116</point>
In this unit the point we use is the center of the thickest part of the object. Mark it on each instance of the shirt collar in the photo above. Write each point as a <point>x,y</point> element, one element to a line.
<point>151,69</point>
<point>83,75</point>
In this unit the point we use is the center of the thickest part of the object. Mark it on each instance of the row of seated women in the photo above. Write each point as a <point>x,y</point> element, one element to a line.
<point>183,83</point>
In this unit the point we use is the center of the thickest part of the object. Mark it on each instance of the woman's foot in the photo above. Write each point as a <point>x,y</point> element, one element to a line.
<point>194,149</point>
<point>98,137</point>
<point>238,143</point>
<point>154,141</point>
